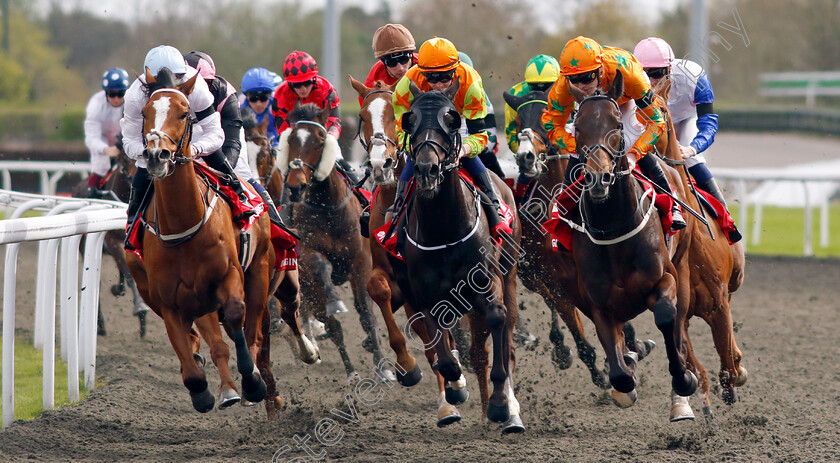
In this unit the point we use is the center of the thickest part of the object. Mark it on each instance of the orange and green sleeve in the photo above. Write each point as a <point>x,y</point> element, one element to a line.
<point>556,115</point>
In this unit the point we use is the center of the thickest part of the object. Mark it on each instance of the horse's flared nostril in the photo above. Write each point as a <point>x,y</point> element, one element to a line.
<point>388,163</point>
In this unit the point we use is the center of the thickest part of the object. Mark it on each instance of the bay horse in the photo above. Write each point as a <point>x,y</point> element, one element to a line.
<point>716,270</point>
<point>449,252</point>
<point>544,270</point>
<point>191,271</point>
<point>378,135</point>
<point>117,186</point>
<point>623,264</point>
<point>326,215</point>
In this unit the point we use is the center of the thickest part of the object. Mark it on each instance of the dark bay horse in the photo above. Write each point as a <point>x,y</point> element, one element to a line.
<point>191,270</point>
<point>716,271</point>
<point>378,135</point>
<point>623,265</point>
<point>544,270</point>
<point>326,215</point>
<point>117,186</point>
<point>449,253</point>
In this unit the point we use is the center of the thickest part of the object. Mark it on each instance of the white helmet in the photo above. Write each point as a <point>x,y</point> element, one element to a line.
<point>164,56</point>
<point>654,52</point>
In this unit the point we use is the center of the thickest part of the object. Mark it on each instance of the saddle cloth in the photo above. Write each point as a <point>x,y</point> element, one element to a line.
<point>390,244</point>
<point>285,245</point>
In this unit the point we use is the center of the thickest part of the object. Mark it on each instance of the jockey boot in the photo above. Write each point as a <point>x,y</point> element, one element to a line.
<point>485,184</point>
<point>139,190</point>
<point>92,188</point>
<point>399,198</point>
<point>713,189</point>
<point>218,161</point>
<point>91,192</point>
<point>347,170</point>
<point>651,169</point>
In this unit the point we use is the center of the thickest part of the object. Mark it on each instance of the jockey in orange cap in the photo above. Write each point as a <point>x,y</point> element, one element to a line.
<point>437,68</point>
<point>588,66</point>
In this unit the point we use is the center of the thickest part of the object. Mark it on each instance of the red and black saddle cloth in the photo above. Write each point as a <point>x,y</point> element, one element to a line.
<point>390,244</point>
<point>567,201</point>
<point>244,215</point>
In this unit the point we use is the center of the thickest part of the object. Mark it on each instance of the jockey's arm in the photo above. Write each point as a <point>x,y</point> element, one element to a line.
<point>94,136</point>
<point>510,128</point>
<point>231,119</point>
<point>648,113</point>
<point>132,123</point>
<point>556,115</point>
<point>477,139</point>
<point>707,120</point>
<point>334,123</point>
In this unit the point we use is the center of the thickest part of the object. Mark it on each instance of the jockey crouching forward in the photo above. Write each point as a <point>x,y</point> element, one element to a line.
<point>437,68</point>
<point>206,142</point>
<point>589,67</point>
<point>227,105</point>
<point>303,85</point>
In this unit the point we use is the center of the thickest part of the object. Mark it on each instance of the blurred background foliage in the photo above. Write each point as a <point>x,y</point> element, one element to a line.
<point>55,59</point>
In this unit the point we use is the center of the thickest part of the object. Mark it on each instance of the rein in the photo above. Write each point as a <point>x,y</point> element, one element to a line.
<point>298,164</point>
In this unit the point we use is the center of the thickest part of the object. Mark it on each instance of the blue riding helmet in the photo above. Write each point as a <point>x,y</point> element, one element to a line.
<point>115,80</point>
<point>257,80</point>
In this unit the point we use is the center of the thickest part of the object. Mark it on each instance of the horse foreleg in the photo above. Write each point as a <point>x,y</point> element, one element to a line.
<point>273,402</point>
<point>496,317</point>
<point>663,301</point>
<point>732,374</point>
<point>253,387</point>
<point>191,373</point>
<point>288,293</point>
<point>379,289</point>
<point>208,326</point>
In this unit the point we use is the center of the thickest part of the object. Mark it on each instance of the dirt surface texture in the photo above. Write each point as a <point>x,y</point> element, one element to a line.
<point>787,315</point>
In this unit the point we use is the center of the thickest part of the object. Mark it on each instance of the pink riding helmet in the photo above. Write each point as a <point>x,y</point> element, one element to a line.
<point>203,63</point>
<point>654,52</point>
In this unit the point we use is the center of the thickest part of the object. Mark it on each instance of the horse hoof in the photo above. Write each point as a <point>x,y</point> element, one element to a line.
<point>498,413</point>
<point>513,425</point>
<point>711,421</point>
<point>118,290</point>
<point>742,377</point>
<point>643,348</point>
<point>562,357</point>
<point>336,307</point>
<point>367,345</point>
<point>680,409</point>
<point>524,339</point>
<point>457,396</point>
<point>623,383</point>
<point>411,378</point>
<point>447,415</point>
<point>227,398</point>
<point>729,395</point>
<point>600,379</point>
<point>354,377</point>
<point>624,399</point>
<point>140,308</point>
<point>255,389</point>
<point>203,401</point>
<point>319,331</point>
<point>247,403</point>
<point>309,354</point>
<point>386,376</point>
<point>687,389</point>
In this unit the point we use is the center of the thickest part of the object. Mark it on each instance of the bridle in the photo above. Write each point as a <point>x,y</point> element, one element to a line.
<point>155,136</point>
<point>272,156</point>
<point>531,135</point>
<point>298,163</point>
<point>584,151</point>
<point>378,138</point>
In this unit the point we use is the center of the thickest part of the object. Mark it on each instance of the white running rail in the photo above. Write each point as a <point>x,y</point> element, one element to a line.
<point>50,172</point>
<point>66,220</point>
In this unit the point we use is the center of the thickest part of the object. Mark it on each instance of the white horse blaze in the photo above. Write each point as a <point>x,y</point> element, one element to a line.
<point>161,106</point>
<point>377,122</point>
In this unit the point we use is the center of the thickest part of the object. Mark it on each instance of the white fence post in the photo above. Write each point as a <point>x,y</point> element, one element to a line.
<point>69,228</point>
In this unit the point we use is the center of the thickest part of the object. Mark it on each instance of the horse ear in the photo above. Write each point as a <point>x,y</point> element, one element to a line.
<point>297,104</point>
<point>187,87</point>
<point>407,122</point>
<point>264,123</point>
<point>577,93</point>
<point>514,101</point>
<point>453,89</point>
<point>454,120</point>
<point>360,88</point>
<point>414,89</point>
<point>150,79</point>
<point>617,88</point>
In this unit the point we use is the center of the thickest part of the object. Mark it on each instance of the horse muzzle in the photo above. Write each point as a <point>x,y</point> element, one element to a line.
<point>158,161</point>
<point>296,192</point>
<point>598,184</point>
<point>527,163</point>
<point>382,171</point>
<point>427,177</point>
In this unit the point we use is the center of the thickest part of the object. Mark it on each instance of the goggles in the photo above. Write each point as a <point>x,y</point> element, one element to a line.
<point>396,58</point>
<point>656,73</point>
<point>254,97</point>
<point>120,94</point>
<point>584,78</point>
<point>439,77</point>
<point>307,83</point>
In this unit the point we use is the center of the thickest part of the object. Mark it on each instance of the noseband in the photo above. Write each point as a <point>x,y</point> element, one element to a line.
<point>586,150</point>
<point>155,135</point>
<point>298,163</point>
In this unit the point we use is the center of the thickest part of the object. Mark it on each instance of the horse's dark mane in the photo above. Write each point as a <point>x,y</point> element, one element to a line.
<point>164,79</point>
<point>307,112</point>
<point>249,118</point>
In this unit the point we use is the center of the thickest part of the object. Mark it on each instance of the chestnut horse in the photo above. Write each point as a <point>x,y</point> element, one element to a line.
<point>326,215</point>
<point>377,134</point>
<point>449,252</point>
<point>544,269</point>
<point>622,262</point>
<point>191,270</point>
<point>716,271</point>
<point>117,187</point>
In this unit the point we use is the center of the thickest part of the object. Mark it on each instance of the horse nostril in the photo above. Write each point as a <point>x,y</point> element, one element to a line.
<point>434,171</point>
<point>530,157</point>
<point>165,154</point>
<point>388,163</point>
